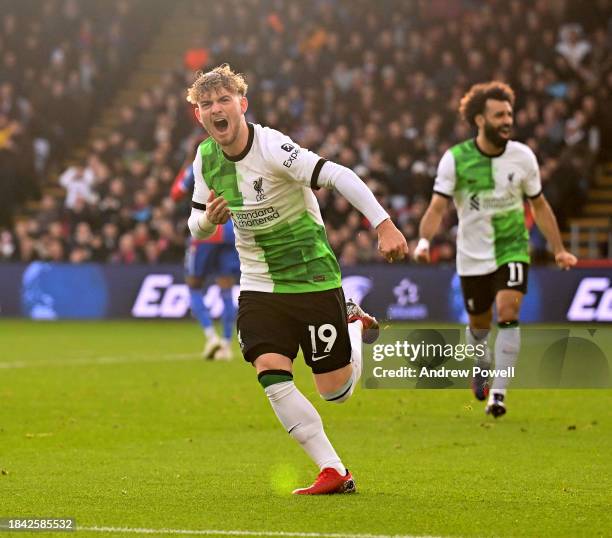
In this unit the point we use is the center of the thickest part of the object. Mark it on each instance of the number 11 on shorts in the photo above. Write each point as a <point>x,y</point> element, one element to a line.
<point>516,274</point>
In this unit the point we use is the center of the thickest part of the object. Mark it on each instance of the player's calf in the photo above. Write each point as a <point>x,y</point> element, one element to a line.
<point>296,417</point>
<point>342,393</point>
<point>477,338</point>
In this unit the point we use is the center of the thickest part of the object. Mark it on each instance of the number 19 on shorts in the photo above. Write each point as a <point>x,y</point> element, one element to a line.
<point>322,340</point>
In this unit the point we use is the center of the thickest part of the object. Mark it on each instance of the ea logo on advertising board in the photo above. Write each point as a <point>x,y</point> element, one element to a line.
<point>160,297</point>
<point>592,300</point>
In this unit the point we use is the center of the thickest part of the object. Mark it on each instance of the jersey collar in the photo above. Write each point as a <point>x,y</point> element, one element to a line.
<point>246,149</point>
<point>487,154</point>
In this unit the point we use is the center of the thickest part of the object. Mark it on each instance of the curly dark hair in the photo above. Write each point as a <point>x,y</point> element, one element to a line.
<point>473,102</point>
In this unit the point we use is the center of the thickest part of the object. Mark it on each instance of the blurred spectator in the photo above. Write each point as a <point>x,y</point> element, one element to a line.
<point>127,253</point>
<point>197,56</point>
<point>52,54</point>
<point>8,249</point>
<point>53,251</point>
<point>572,45</point>
<point>151,252</point>
<point>78,182</point>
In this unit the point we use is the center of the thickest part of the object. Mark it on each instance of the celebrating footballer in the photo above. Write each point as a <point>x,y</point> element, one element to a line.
<point>290,287</point>
<point>487,178</point>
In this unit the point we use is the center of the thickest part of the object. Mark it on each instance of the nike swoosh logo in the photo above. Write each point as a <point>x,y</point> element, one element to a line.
<point>314,359</point>
<point>293,427</point>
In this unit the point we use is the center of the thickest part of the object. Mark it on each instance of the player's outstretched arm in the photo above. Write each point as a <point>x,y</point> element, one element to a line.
<point>391,242</point>
<point>547,223</point>
<point>429,226</point>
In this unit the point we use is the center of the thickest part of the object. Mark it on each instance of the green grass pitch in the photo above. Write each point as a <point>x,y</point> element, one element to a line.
<point>120,424</point>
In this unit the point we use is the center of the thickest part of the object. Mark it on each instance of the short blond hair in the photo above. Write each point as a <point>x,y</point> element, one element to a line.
<point>219,77</point>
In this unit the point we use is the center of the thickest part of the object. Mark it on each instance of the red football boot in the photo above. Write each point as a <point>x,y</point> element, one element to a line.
<point>329,481</point>
<point>371,329</point>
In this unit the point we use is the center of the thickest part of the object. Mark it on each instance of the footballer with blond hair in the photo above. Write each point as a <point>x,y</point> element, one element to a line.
<point>290,285</point>
<point>487,177</point>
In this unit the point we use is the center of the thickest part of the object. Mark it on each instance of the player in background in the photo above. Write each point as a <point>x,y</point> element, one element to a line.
<point>290,285</point>
<point>215,255</point>
<point>488,177</point>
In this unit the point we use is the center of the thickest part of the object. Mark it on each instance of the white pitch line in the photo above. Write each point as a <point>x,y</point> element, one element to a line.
<point>214,532</point>
<point>98,360</point>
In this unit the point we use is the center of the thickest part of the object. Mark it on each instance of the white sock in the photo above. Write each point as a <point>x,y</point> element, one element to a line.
<point>474,337</point>
<point>225,341</point>
<point>345,391</point>
<point>355,330</point>
<point>210,332</point>
<point>301,420</point>
<point>507,347</point>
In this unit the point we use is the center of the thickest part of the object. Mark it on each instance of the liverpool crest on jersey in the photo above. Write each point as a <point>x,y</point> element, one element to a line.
<point>258,186</point>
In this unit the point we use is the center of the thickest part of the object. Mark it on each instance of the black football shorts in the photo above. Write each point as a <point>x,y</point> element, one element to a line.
<point>284,322</point>
<point>479,291</point>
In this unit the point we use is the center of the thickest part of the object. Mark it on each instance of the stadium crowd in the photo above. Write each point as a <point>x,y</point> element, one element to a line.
<point>60,62</point>
<point>373,86</point>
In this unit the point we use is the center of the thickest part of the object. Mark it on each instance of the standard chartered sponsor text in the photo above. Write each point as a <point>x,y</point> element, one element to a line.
<point>509,201</point>
<point>247,218</point>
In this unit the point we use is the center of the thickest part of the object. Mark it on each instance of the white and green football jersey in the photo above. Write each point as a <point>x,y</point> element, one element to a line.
<point>280,235</point>
<point>488,194</point>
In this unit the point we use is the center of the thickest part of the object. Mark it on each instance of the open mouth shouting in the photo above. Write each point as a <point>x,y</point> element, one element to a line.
<point>221,125</point>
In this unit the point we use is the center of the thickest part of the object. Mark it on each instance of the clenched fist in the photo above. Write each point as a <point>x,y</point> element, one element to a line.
<point>565,260</point>
<point>421,251</point>
<point>391,242</point>
<point>217,211</point>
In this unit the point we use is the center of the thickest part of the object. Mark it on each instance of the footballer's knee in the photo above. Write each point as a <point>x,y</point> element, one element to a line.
<point>194,282</point>
<point>508,304</point>
<point>508,312</point>
<point>225,282</point>
<point>272,361</point>
<point>479,322</point>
